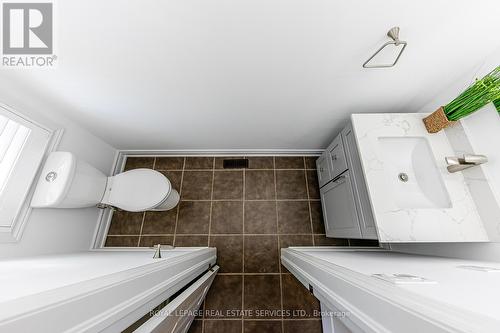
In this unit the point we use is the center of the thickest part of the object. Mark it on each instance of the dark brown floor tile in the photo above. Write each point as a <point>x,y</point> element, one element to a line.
<point>229,253</point>
<point>195,163</point>
<point>219,161</point>
<point>223,326</point>
<point>148,241</point>
<point>261,254</point>
<point>224,296</point>
<point>227,217</point>
<point>159,222</point>
<point>139,162</point>
<point>311,162</point>
<point>289,162</point>
<point>363,242</point>
<point>196,326</point>
<point>260,162</point>
<point>295,240</point>
<point>169,163</point>
<point>263,326</point>
<point>190,241</point>
<point>297,300</point>
<point>174,177</point>
<point>260,217</point>
<point>197,185</point>
<point>228,185</point>
<point>291,184</point>
<point>125,223</point>
<point>121,241</point>
<point>317,217</point>
<point>262,296</point>
<point>312,184</point>
<point>301,326</point>
<point>259,184</point>
<point>293,217</point>
<point>322,240</point>
<point>194,217</point>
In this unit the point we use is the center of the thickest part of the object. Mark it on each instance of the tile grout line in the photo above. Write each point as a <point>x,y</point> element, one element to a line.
<point>259,319</point>
<point>309,202</point>
<point>235,169</point>
<point>250,200</point>
<point>209,225</point>
<point>249,274</point>
<point>279,256</point>
<point>209,229</point>
<point>243,256</point>
<point>178,206</point>
<point>211,200</point>
<point>289,234</point>
<point>144,215</point>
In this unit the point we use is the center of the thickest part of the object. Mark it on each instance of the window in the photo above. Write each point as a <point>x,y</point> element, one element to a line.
<point>23,144</point>
<point>12,139</point>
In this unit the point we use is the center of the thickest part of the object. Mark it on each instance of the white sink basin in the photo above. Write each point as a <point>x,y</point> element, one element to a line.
<point>411,171</point>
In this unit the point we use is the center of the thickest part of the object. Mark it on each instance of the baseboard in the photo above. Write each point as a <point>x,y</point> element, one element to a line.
<point>222,152</point>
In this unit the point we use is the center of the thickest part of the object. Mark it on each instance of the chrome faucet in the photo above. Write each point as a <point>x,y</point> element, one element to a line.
<point>467,161</point>
<point>158,248</point>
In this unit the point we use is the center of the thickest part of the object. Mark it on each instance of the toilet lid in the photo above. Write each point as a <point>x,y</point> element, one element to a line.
<point>137,190</point>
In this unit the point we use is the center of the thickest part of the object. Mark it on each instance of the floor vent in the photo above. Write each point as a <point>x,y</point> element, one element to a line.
<point>237,163</point>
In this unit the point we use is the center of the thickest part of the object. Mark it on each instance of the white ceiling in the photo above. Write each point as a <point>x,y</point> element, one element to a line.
<point>221,74</point>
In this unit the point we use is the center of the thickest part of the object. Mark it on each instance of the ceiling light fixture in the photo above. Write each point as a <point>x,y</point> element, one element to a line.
<point>398,44</point>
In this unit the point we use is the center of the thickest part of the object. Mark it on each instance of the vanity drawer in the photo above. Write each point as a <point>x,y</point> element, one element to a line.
<point>336,157</point>
<point>323,169</point>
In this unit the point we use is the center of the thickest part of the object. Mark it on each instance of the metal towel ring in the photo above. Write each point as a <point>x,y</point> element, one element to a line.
<point>394,35</point>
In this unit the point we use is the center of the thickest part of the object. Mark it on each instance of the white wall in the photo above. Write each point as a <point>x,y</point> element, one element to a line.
<point>50,230</point>
<point>475,251</point>
<point>252,74</point>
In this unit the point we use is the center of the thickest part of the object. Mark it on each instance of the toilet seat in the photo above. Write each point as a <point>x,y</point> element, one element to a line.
<point>137,190</point>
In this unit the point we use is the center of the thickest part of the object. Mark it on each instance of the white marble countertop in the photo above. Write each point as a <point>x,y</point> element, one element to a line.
<point>458,223</point>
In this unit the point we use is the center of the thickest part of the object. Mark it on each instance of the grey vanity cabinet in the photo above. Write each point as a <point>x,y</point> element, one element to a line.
<point>324,173</point>
<point>361,196</point>
<point>347,212</point>
<point>336,157</point>
<point>339,210</point>
<point>332,162</point>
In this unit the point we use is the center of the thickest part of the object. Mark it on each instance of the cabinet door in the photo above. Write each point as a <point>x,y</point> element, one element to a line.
<point>177,316</point>
<point>360,191</point>
<point>324,175</point>
<point>339,210</point>
<point>337,158</point>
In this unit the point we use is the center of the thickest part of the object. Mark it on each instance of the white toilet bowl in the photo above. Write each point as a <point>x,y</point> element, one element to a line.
<point>66,182</point>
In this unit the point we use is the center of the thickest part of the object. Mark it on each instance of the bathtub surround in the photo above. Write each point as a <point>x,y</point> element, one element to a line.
<point>248,215</point>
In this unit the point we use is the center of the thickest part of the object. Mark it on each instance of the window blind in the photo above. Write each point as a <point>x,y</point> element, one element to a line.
<point>13,136</point>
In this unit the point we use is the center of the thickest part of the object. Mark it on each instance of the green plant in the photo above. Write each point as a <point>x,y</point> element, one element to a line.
<point>479,94</point>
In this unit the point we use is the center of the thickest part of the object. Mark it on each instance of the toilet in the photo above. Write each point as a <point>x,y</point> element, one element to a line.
<point>66,182</point>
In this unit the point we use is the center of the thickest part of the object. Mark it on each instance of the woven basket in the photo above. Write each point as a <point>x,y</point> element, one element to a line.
<point>437,121</point>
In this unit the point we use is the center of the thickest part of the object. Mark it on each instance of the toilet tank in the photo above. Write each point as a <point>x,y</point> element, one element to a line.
<point>66,182</point>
